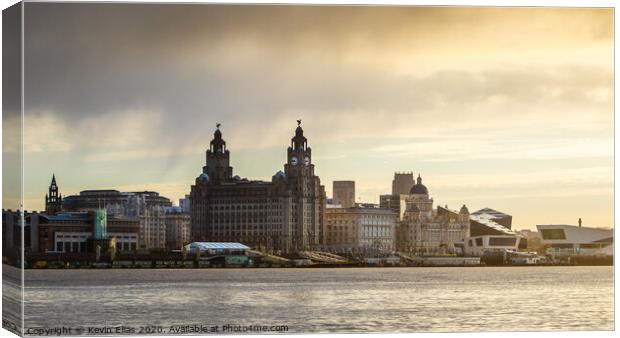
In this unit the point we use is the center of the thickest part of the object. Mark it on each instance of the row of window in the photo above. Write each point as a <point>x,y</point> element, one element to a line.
<point>76,247</point>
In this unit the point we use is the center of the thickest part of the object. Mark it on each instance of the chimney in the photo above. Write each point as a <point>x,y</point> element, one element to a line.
<point>580,222</point>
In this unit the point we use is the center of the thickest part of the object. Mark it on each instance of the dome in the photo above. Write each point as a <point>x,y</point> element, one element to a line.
<point>279,174</point>
<point>419,189</point>
<point>204,177</point>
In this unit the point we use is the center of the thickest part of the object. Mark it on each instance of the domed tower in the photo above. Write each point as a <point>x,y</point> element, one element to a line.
<point>418,196</point>
<point>299,156</point>
<point>53,199</point>
<point>218,167</point>
<point>412,213</point>
<point>419,188</point>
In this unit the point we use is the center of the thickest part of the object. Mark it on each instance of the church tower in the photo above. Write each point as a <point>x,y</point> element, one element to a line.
<point>218,166</point>
<point>53,200</point>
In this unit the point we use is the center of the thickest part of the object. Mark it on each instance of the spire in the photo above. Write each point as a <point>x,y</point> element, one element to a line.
<point>53,200</point>
<point>419,179</point>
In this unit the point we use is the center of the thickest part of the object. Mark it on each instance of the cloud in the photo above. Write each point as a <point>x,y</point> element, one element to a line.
<point>130,93</point>
<point>96,135</point>
<point>359,104</point>
<point>11,134</point>
<point>488,147</point>
<point>358,69</point>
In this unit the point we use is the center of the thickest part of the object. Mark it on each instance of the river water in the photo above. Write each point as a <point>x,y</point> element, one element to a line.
<point>326,300</point>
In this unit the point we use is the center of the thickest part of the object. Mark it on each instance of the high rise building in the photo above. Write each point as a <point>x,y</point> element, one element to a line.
<point>73,232</point>
<point>146,206</point>
<point>402,183</point>
<point>184,204</point>
<point>397,203</point>
<point>177,227</point>
<point>344,193</point>
<point>401,187</point>
<point>286,214</point>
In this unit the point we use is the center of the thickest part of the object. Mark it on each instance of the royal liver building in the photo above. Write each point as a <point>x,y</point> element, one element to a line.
<point>286,214</point>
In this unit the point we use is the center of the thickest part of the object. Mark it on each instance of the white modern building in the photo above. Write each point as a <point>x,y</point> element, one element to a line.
<point>570,240</point>
<point>481,245</point>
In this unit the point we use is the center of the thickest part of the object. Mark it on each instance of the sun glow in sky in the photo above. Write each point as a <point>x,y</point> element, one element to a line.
<point>508,108</point>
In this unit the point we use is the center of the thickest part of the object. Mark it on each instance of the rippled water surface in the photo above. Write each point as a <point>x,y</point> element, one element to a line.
<point>328,300</point>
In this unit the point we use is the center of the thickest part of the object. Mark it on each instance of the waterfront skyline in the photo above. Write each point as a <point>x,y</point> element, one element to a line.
<point>513,112</point>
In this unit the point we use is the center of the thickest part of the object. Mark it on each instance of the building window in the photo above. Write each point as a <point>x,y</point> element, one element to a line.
<point>502,241</point>
<point>479,241</point>
<point>553,234</point>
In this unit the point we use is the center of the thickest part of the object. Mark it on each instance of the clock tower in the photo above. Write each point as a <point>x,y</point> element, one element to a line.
<point>299,156</point>
<point>218,166</point>
<point>307,195</point>
<point>226,208</point>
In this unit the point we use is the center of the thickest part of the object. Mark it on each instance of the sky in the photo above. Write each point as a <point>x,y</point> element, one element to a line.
<point>507,108</point>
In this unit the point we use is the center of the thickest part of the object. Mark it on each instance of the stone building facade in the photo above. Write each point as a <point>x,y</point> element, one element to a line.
<point>146,206</point>
<point>177,227</point>
<point>402,183</point>
<point>344,193</point>
<point>359,229</point>
<point>285,214</point>
<point>71,231</point>
<point>426,231</point>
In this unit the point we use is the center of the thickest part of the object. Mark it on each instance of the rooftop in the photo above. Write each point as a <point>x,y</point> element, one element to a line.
<point>68,216</point>
<point>217,245</point>
<point>492,212</point>
<point>487,220</point>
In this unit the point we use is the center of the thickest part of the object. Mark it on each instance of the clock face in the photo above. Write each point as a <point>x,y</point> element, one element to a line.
<point>294,160</point>
<point>307,160</point>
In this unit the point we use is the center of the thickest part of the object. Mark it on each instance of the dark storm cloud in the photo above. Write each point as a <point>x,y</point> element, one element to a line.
<point>127,95</point>
<point>199,64</point>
